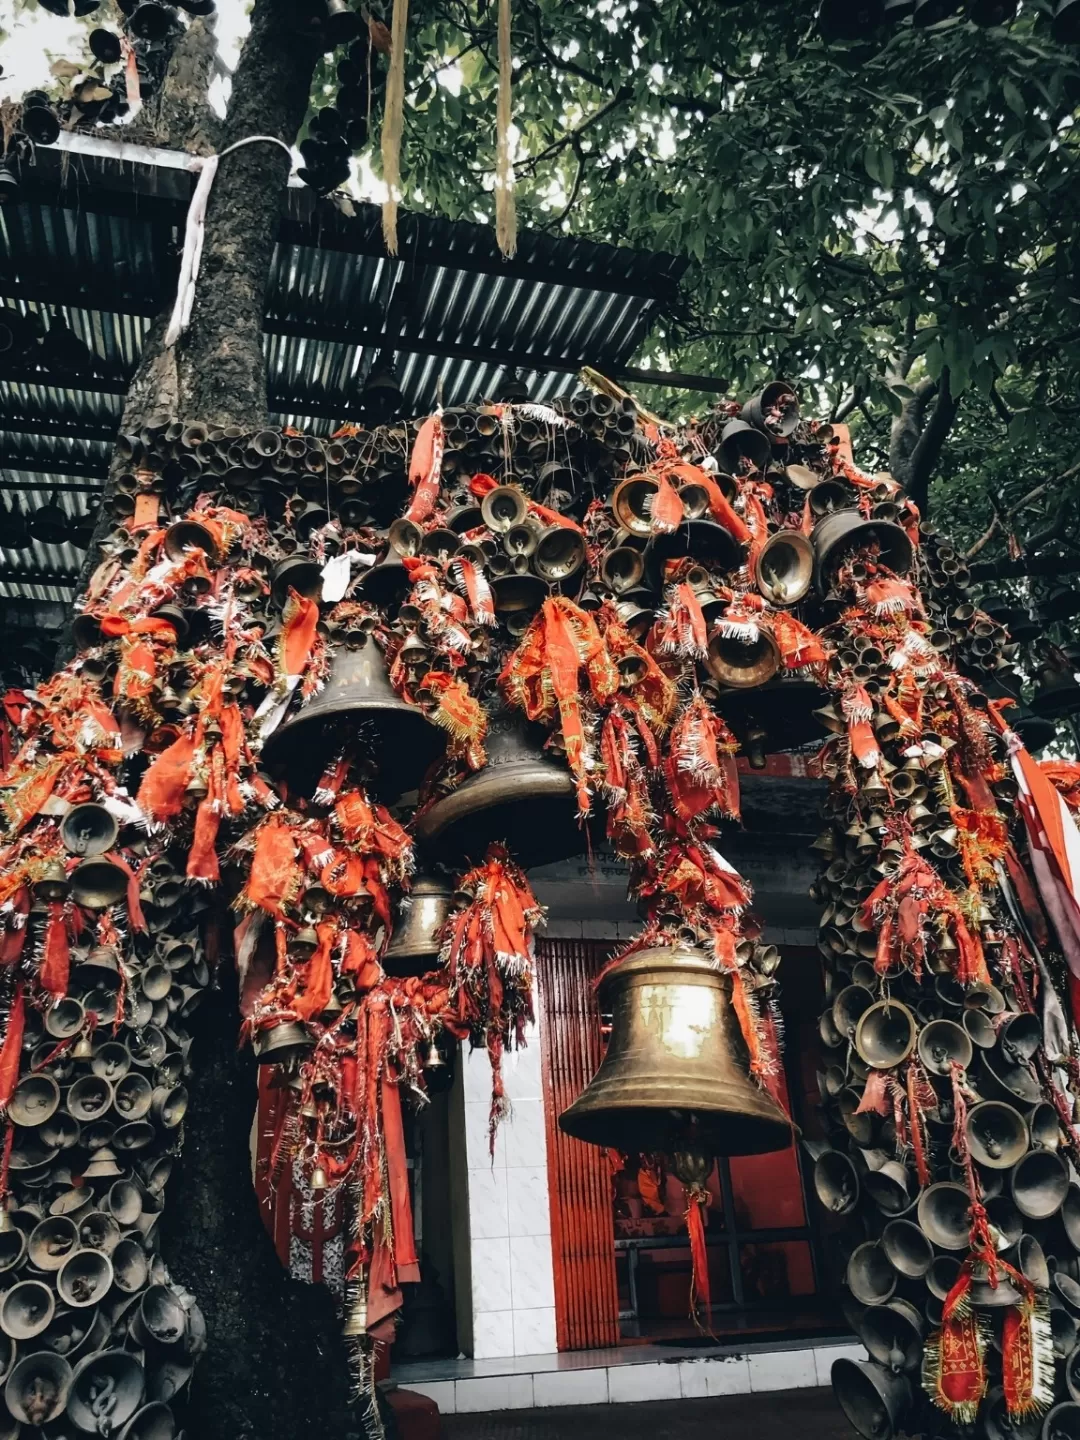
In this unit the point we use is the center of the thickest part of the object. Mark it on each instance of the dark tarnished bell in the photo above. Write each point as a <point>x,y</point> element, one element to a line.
<point>909,1251</point>
<point>741,441</point>
<point>504,507</point>
<point>282,1042</point>
<point>358,692</point>
<point>185,535</point>
<point>27,1309</point>
<point>996,1134</point>
<point>42,1382</point>
<point>674,1076</point>
<point>943,1215</point>
<point>873,1398</point>
<point>97,884</point>
<point>114,1373</point>
<point>89,830</point>
<point>885,1035</point>
<point>523,795</point>
<point>870,1276</point>
<point>1039,1184</point>
<point>837,535</point>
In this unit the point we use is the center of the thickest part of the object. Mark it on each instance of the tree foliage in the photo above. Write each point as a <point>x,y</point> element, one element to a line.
<point>896,216</point>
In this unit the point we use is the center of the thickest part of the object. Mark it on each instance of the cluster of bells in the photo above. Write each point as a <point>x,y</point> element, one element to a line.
<point>94,1335</point>
<point>48,523</point>
<point>861,19</point>
<point>337,130</point>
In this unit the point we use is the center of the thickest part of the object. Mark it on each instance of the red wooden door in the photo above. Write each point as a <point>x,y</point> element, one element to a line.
<point>579,1175</point>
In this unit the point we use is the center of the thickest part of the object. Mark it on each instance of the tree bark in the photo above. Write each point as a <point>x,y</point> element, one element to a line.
<point>275,1366</point>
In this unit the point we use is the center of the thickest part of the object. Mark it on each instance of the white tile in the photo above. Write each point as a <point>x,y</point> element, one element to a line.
<point>643,1382</point>
<point>441,1391</point>
<point>495,1392</point>
<point>475,1074</point>
<point>824,1355</point>
<point>493,1334</point>
<point>534,1331</point>
<point>522,1069</point>
<point>782,1370</point>
<point>477,1132</point>
<point>491,1275</point>
<point>524,1134</point>
<point>570,1387</point>
<point>528,1202</point>
<point>489,1216</point>
<point>692,1384</point>
<point>532,1282</point>
<point>729,1376</point>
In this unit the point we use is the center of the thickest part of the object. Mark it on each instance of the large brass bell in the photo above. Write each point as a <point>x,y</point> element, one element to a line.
<point>785,567</point>
<point>523,795</point>
<point>111,1373</point>
<point>893,1334</point>
<point>185,535</point>
<point>675,1073</point>
<point>1039,1184</point>
<point>942,1044</point>
<point>909,1251</point>
<point>357,691</point>
<point>943,1215</point>
<point>842,532</point>
<point>836,1182</point>
<point>873,1398</point>
<point>742,664</point>
<point>414,939</point>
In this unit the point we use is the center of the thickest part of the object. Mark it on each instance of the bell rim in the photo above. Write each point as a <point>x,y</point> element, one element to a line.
<point>766,1133</point>
<point>447,812</point>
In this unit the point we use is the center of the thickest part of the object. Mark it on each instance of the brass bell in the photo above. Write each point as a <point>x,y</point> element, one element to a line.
<point>414,939</point>
<point>357,691</point>
<point>1039,1184</point>
<point>742,664</point>
<point>889,1186</point>
<point>996,1134</point>
<point>785,567</point>
<point>185,535</point>
<point>279,1043</point>
<point>841,532</point>
<point>870,1277</point>
<point>885,1035</point>
<point>674,1076</point>
<point>742,442</point>
<point>943,1043</point>
<point>909,1251</point>
<point>52,886</point>
<point>97,884</point>
<point>319,1179</point>
<point>89,830</point>
<point>38,1387</point>
<point>893,1334</point>
<point>523,795</point>
<point>560,554</point>
<point>836,1182</point>
<point>631,503</point>
<point>849,1007</point>
<point>503,507</point>
<point>110,1379</point>
<point>983,1293</point>
<point>26,1309</point>
<point>944,1215</point>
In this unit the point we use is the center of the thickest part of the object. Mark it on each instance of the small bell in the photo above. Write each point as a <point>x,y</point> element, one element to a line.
<point>53,886</point>
<point>434,1060</point>
<point>83,1048</point>
<point>319,1179</point>
<point>355,1311</point>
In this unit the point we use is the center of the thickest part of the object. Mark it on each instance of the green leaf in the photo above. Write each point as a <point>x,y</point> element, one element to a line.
<point>1014,100</point>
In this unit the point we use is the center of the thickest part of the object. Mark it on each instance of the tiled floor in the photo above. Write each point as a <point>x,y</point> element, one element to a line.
<point>812,1414</point>
<point>608,1377</point>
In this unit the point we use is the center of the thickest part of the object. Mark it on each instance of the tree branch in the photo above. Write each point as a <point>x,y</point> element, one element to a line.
<point>1026,565</point>
<point>927,450</point>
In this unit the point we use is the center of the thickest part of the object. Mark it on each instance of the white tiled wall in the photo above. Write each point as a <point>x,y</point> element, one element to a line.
<point>696,1379</point>
<point>513,1295</point>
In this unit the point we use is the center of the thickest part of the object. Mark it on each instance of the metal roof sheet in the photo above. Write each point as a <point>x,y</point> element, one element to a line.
<point>93,242</point>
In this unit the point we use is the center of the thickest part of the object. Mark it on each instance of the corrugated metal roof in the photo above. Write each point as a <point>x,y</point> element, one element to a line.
<point>92,244</point>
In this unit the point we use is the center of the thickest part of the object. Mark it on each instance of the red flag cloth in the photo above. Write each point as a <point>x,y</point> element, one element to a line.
<point>697,1200</point>
<point>666,510</point>
<point>300,619</point>
<point>406,1261</point>
<point>161,794</point>
<point>319,982</point>
<point>425,469</point>
<point>12,1048</point>
<point>56,954</point>
<point>275,876</point>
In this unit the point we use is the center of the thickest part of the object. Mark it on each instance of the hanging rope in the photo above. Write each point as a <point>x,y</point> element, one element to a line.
<point>195,232</point>
<point>505,210</point>
<point>393,121</point>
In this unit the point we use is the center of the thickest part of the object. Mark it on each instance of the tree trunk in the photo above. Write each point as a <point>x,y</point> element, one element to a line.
<point>275,1366</point>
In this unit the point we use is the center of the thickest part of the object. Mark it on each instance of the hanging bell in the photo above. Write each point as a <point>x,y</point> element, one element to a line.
<point>836,1182</point>
<point>622,568</point>
<point>942,1044</point>
<point>52,885</point>
<point>741,443</point>
<point>908,1250</point>
<point>50,523</point>
<point>523,795</point>
<point>340,24</point>
<point>775,410</point>
<point>885,1035</point>
<point>742,664</point>
<point>185,535</point>
<point>503,508</point>
<point>96,884</point>
<point>560,554</point>
<point>280,1043</point>
<point>357,694</point>
<point>840,533</point>
<point>89,830</point>
<point>1056,691</point>
<point>785,567</point>
<point>319,1179</point>
<point>37,1388</point>
<point>674,1076</point>
<point>944,1215</point>
<point>631,503</point>
<point>355,1310</point>
<point>997,1135</point>
<point>414,940</point>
